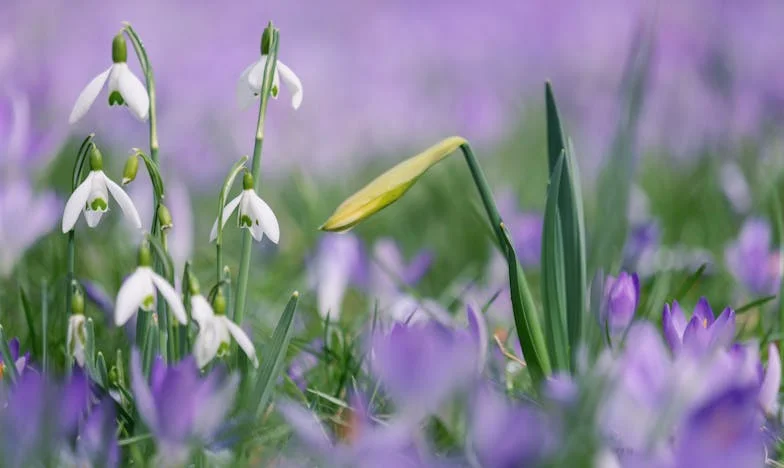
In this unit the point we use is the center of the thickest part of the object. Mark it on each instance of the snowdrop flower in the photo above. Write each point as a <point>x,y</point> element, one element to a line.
<point>252,78</point>
<point>216,330</point>
<point>254,214</point>
<point>124,88</point>
<point>92,197</point>
<point>139,292</point>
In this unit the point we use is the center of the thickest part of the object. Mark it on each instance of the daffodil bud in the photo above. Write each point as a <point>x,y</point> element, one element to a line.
<point>145,257</point>
<point>119,49</point>
<point>96,160</point>
<point>131,168</point>
<point>164,218</point>
<point>219,303</point>
<point>266,39</point>
<point>247,181</point>
<point>77,302</point>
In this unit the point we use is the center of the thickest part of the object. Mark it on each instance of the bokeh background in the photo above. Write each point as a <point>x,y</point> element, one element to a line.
<point>383,80</point>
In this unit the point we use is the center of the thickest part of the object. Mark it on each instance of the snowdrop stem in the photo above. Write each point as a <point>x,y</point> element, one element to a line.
<point>266,89</point>
<point>76,179</point>
<point>224,195</point>
<point>144,61</point>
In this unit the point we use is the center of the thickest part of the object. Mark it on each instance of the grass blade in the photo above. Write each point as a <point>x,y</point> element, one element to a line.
<point>274,354</point>
<point>553,278</point>
<point>689,283</point>
<point>755,303</point>
<point>28,313</point>
<point>10,365</point>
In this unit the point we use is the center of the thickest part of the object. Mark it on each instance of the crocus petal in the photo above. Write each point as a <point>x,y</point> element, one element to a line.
<point>207,342</point>
<point>703,311</point>
<point>477,327</point>
<point>292,83</point>
<point>201,311</point>
<point>242,339</point>
<point>769,391</point>
<point>76,203</point>
<point>122,198</point>
<point>171,296</point>
<point>269,223</point>
<point>256,75</point>
<point>131,295</point>
<point>245,96</point>
<point>143,399</point>
<point>88,96</point>
<point>227,211</point>
<point>671,333</point>
<point>134,93</point>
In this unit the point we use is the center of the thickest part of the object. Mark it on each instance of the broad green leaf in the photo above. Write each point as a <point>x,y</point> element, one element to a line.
<point>389,186</point>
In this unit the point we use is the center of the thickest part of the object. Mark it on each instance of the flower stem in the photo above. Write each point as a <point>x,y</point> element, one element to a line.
<point>269,73</point>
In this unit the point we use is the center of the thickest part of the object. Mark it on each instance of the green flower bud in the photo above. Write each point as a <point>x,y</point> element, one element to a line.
<point>114,377</point>
<point>193,284</point>
<point>219,303</point>
<point>77,302</point>
<point>119,49</point>
<point>145,257</point>
<point>96,160</point>
<point>164,218</point>
<point>247,181</point>
<point>131,168</point>
<point>266,39</point>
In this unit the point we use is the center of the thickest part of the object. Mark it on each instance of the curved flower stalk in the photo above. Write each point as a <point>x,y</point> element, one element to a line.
<point>124,87</point>
<point>216,331</point>
<point>138,291</point>
<point>253,214</point>
<point>181,409</point>
<point>92,198</point>
<point>252,78</point>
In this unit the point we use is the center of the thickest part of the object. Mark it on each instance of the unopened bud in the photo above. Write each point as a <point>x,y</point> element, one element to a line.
<point>219,303</point>
<point>77,302</point>
<point>96,160</point>
<point>145,257</point>
<point>193,284</point>
<point>266,40</point>
<point>164,218</point>
<point>131,168</point>
<point>119,49</point>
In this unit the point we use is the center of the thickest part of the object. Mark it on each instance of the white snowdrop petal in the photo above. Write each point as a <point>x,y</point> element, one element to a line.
<point>87,96</point>
<point>76,203</point>
<point>227,211</point>
<point>242,340</point>
<point>134,93</point>
<point>293,84</point>
<point>125,202</point>
<point>131,295</point>
<point>171,296</point>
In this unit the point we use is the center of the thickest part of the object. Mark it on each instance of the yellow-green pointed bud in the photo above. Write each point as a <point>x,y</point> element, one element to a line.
<point>119,49</point>
<point>145,256</point>
<point>77,302</point>
<point>193,284</point>
<point>266,40</point>
<point>96,160</point>
<point>164,218</point>
<point>247,181</point>
<point>388,187</point>
<point>130,170</point>
<point>219,303</point>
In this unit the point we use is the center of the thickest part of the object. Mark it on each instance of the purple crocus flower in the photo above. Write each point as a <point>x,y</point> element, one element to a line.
<point>337,262</point>
<point>181,409</point>
<point>19,361</point>
<point>97,442</point>
<point>390,273</point>
<point>364,442</point>
<point>502,434</point>
<point>641,246</point>
<point>303,363</point>
<point>751,259</point>
<point>771,382</point>
<point>621,296</point>
<point>702,332</point>
<point>423,363</point>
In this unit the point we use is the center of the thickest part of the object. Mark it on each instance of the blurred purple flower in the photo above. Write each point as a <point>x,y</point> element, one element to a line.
<point>96,444</point>
<point>752,260</point>
<point>181,409</point>
<point>389,270</point>
<point>502,434</point>
<point>641,246</point>
<point>20,361</point>
<point>337,262</point>
<point>422,364</point>
<point>702,332</point>
<point>621,296</point>
<point>303,363</point>
<point>771,382</point>
<point>735,187</point>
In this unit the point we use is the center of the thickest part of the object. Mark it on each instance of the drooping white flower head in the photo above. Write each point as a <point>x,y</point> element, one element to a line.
<point>92,197</point>
<point>124,87</point>
<point>254,214</point>
<point>75,341</point>
<point>138,291</point>
<point>251,79</point>
<point>216,331</point>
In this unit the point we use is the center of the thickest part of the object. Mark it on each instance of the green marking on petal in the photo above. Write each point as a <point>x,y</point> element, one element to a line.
<point>245,221</point>
<point>274,91</point>
<point>224,349</point>
<point>116,98</point>
<point>148,303</point>
<point>99,204</point>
